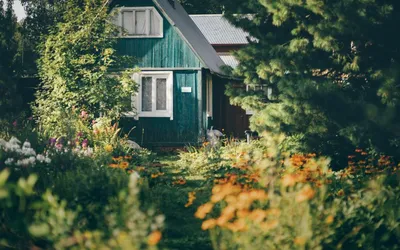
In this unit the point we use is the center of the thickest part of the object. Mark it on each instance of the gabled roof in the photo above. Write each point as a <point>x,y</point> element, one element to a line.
<point>179,18</point>
<point>219,31</point>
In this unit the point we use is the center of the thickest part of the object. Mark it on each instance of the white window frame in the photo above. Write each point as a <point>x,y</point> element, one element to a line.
<point>137,99</point>
<point>148,16</point>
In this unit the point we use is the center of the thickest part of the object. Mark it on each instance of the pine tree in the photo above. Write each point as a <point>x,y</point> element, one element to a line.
<point>8,68</point>
<point>333,68</point>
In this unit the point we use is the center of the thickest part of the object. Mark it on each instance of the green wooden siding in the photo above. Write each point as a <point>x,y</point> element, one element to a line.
<point>171,51</point>
<point>185,128</point>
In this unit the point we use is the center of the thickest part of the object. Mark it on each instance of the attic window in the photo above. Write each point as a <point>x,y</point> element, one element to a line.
<point>139,22</point>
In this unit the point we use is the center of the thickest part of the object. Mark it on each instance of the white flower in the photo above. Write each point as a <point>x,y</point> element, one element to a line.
<point>3,143</point>
<point>47,160</point>
<point>26,145</point>
<point>40,158</point>
<point>28,151</point>
<point>14,141</point>
<point>9,161</point>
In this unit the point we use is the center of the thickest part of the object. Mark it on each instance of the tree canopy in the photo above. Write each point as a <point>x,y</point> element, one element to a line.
<point>333,67</point>
<point>76,64</point>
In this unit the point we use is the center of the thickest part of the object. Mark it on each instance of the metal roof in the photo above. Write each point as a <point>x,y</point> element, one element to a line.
<point>218,30</point>
<point>179,18</point>
<point>230,60</point>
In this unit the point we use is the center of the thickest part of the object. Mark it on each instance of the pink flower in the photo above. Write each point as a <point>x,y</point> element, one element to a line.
<point>84,114</point>
<point>85,143</point>
<point>15,123</point>
<point>30,118</point>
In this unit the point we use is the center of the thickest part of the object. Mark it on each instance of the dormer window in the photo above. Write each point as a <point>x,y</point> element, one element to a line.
<point>137,22</point>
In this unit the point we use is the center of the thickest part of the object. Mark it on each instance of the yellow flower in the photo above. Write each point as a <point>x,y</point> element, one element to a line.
<point>211,223</point>
<point>154,238</point>
<point>203,210</point>
<point>306,193</point>
<point>329,219</point>
<point>340,192</point>
<point>108,148</point>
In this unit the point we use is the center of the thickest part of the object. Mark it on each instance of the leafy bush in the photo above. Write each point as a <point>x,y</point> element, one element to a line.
<point>29,221</point>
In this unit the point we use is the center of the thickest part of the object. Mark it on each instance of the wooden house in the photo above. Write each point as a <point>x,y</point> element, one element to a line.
<point>181,81</point>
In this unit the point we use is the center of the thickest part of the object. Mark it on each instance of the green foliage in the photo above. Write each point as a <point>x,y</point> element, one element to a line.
<point>9,98</point>
<point>76,66</point>
<point>332,68</point>
<point>202,7</point>
<point>264,197</point>
<point>46,222</point>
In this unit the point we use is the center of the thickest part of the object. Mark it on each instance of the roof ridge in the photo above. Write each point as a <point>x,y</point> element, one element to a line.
<point>206,14</point>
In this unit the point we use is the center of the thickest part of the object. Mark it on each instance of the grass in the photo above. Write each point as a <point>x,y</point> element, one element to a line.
<point>182,229</point>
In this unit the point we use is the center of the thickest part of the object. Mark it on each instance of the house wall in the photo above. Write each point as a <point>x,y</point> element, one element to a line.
<point>170,53</point>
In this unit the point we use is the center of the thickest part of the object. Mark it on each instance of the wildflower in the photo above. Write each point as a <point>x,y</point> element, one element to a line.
<point>80,134</point>
<point>117,158</point>
<point>9,161</point>
<point>154,238</point>
<point>108,148</point>
<point>113,165</point>
<point>358,150</point>
<point>300,241</point>
<point>306,193</point>
<point>208,224</point>
<point>127,157</point>
<point>329,219</point>
<point>191,198</point>
<point>340,192</point>
<point>85,143</point>
<point>15,123</point>
<point>238,225</point>
<point>124,164</point>
<point>257,215</point>
<point>203,210</point>
<point>288,180</point>
<point>84,114</point>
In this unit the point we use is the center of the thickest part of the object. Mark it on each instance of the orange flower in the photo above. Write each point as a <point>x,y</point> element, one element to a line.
<point>154,238</point>
<point>191,198</point>
<point>203,210</point>
<point>119,158</point>
<point>236,226</point>
<point>329,219</point>
<point>301,241</point>
<point>358,150</point>
<point>211,223</point>
<point>127,157</point>
<point>123,165</point>
<point>113,165</point>
<point>257,215</point>
<point>306,193</point>
<point>288,180</point>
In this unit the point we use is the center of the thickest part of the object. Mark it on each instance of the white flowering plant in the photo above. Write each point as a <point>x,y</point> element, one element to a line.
<point>15,153</point>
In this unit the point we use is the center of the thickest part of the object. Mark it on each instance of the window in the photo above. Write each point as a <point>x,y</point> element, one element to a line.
<point>155,97</point>
<point>264,88</point>
<point>139,22</point>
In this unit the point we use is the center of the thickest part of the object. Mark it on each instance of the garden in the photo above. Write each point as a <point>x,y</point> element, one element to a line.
<point>323,173</point>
